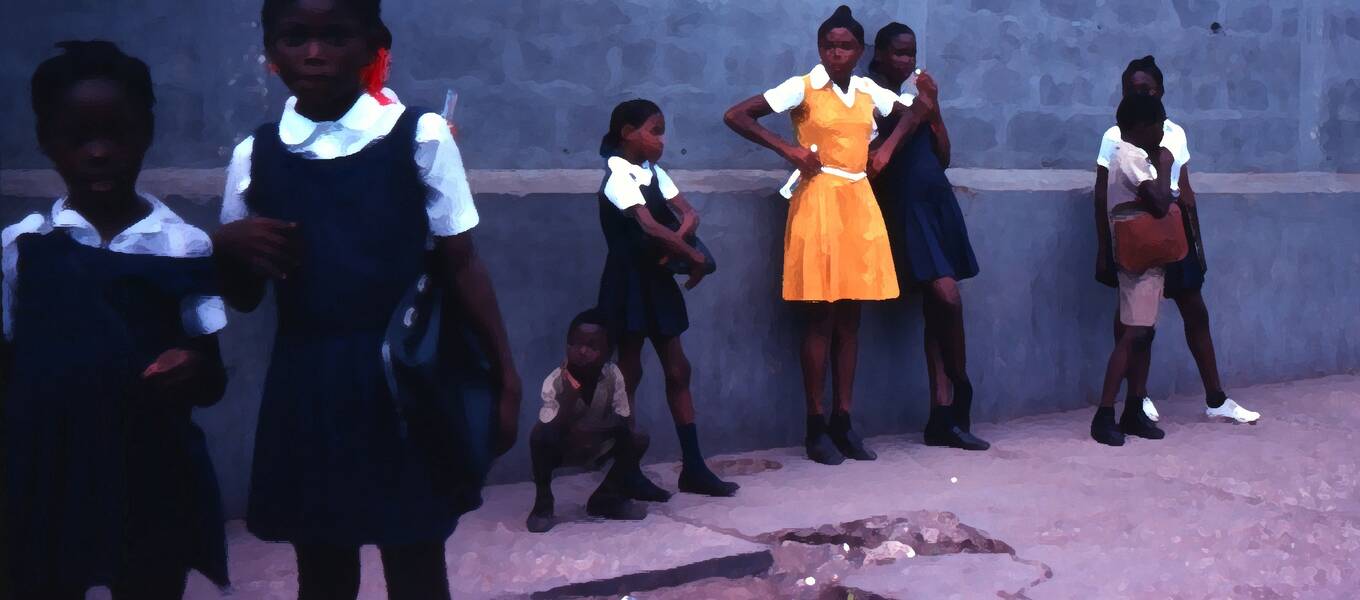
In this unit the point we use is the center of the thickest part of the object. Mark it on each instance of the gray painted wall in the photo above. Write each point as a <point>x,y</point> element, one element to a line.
<point>1026,83</point>
<point>1284,273</point>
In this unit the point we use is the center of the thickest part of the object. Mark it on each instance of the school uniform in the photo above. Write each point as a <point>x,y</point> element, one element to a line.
<point>836,243</point>
<point>108,483</point>
<point>1139,293</point>
<point>637,293</point>
<point>584,432</point>
<point>925,225</point>
<point>368,192</point>
<point>1187,274</point>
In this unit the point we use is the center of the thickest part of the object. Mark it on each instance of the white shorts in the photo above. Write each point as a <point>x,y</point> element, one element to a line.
<point>1139,296</point>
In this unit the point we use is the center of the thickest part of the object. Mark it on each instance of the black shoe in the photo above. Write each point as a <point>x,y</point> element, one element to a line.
<point>851,445</point>
<point>608,503</point>
<point>541,518</point>
<point>639,487</point>
<point>704,482</point>
<point>1136,423</point>
<point>821,449</point>
<point>847,441</point>
<point>1104,429</point>
<point>955,437</point>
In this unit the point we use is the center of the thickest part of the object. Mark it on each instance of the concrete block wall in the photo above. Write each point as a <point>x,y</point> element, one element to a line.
<point>1261,85</point>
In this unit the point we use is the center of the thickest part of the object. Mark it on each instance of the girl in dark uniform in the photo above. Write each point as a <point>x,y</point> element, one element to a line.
<point>344,204</point>
<point>929,238</point>
<point>638,292</point>
<point>113,332</point>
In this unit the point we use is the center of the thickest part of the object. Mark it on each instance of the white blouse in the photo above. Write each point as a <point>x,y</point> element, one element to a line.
<point>624,185</point>
<point>160,233</point>
<point>448,202</point>
<point>1173,139</point>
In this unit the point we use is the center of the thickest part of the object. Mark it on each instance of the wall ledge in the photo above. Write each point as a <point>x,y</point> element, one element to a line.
<point>206,184</point>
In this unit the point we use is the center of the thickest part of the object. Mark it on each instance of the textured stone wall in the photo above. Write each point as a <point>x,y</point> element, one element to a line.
<point>1261,86</point>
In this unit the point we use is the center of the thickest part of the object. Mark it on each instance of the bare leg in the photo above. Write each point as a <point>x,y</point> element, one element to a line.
<point>939,381</point>
<point>845,350</point>
<point>813,355</point>
<point>630,364</point>
<point>1201,342</point>
<point>677,369</point>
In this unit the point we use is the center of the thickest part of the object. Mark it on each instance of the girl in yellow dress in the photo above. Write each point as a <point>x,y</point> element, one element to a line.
<point>836,250</point>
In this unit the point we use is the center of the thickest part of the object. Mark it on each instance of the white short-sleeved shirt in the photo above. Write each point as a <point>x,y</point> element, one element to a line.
<point>1173,139</point>
<point>160,233</point>
<point>1129,168</point>
<point>789,95</point>
<point>448,201</point>
<point>623,186</point>
<point>609,403</point>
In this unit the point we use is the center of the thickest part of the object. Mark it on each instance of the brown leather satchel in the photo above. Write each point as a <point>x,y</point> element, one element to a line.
<point>1143,241</point>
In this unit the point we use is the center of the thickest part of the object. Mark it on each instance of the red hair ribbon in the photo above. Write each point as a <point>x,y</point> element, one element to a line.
<point>375,75</point>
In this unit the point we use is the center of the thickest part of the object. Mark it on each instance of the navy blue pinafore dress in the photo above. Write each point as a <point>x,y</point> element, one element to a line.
<point>925,225</point>
<point>331,463</point>
<point>637,294</point>
<point>99,472</point>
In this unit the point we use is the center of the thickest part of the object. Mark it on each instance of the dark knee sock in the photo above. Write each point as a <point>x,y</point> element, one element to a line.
<point>840,421</point>
<point>691,457</point>
<point>416,571</point>
<point>816,427</point>
<point>1215,399</point>
<point>327,572</point>
<point>941,418</point>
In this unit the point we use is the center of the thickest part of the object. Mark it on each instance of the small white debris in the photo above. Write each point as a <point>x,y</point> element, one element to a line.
<point>260,59</point>
<point>953,480</point>
<point>810,581</point>
<point>911,552</point>
<point>845,547</point>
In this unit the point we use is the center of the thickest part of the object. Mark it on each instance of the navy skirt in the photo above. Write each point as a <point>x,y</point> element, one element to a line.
<point>641,299</point>
<point>925,225</point>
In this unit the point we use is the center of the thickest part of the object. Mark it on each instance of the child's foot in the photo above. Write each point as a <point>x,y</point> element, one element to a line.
<point>639,487</point>
<point>847,441</point>
<point>704,482</point>
<point>1135,422</point>
<point>1104,429</point>
<point>822,450</point>
<point>1232,411</point>
<point>541,518</point>
<point>610,504</point>
<point>955,437</point>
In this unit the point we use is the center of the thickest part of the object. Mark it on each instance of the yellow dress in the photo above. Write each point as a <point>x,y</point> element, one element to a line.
<point>835,243</point>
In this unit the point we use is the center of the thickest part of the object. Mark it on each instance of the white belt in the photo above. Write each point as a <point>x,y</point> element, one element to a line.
<point>787,190</point>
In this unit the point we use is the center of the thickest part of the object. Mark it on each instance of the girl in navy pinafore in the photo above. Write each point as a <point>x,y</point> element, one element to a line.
<point>639,294</point>
<point>330,464</point>
<point>648,244</point>
<point>928,235</point>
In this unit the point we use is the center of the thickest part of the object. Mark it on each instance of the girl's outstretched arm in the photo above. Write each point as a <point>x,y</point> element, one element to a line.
<point>744,119</point>
<point>465,276</point>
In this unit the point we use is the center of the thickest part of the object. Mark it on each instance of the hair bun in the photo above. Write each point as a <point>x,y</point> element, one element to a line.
<point>1149,60</point>
<point>842,11</point>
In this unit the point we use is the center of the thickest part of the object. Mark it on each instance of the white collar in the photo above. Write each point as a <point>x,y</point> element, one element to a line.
<point>642,174</point>
<point>819,79</point>
<point>295,129</point>
<point>153,222</point>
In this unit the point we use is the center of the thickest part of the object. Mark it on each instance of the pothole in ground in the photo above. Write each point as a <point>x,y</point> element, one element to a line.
<point>811,563</point>
<point>737,467</point>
